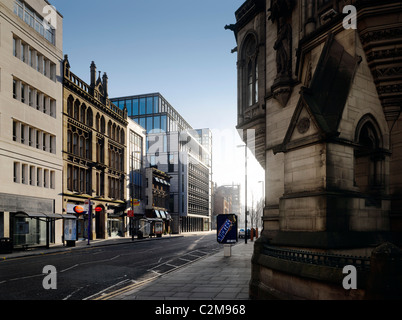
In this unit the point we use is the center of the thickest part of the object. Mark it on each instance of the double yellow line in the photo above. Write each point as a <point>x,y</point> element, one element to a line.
<point>121,291</point>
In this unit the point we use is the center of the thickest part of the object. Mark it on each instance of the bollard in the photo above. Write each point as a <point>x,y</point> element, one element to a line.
<point>227,249</point>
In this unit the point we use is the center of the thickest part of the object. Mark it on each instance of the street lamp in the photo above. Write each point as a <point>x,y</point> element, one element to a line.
<point>245,188</point>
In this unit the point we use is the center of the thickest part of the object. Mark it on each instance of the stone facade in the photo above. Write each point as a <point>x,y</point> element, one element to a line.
<point>325,102</point>
<point>94,154</point>
<point>30,123</point>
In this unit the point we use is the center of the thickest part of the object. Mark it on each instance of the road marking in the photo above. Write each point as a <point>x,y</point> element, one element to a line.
<point>69,268</point>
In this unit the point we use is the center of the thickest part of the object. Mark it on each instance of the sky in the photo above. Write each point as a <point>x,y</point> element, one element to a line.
<point>178,48</point>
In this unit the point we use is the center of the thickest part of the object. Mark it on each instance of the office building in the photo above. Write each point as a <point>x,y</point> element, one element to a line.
<point>136,138</point>
<point>174,147</point>
<point>31,136</point>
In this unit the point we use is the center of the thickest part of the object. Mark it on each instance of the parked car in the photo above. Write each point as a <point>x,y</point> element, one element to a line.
<point>242,233</point>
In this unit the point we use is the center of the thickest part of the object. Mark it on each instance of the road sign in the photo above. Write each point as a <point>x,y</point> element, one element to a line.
<point>227,229</point>
<point>130,213</point>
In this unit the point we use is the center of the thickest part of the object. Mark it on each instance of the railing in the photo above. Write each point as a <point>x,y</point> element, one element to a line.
<point>329,260</point>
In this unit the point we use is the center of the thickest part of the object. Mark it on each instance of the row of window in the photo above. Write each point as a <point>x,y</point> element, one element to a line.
<point>80,180</point>
<point>34,176</point>
<point>80,112</point>
<point>34,98</point>
<point>34,20</point>
<point>116,158</point>
<point>33,58</point>
<point>79,143</point>
<point>33,137</point>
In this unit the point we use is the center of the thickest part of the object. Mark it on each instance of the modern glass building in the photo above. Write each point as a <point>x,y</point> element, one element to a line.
<point>174,147</point>
<point>152,112</point>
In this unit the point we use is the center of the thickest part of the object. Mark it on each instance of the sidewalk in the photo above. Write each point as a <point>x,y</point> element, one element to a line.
<point>214,278</point>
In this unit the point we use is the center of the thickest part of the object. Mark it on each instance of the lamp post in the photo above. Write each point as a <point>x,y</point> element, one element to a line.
<point>245,188</point>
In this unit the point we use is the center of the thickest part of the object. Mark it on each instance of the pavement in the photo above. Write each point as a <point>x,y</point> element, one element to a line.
<point>216,277</point>
<point>212,277</point>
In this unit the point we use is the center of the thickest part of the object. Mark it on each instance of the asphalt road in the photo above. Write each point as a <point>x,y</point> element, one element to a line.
<point>89,273</point>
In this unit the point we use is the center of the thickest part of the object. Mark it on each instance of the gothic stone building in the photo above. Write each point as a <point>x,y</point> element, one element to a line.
<point>323,100</point>
<point>94,154</point>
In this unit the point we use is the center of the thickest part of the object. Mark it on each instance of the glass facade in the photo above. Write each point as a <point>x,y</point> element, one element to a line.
<point>136,165</point>
<point>153,113</point>
<point>174,147</point>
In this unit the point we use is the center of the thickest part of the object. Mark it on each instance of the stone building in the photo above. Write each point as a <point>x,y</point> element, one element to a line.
<point>320,88</point>
<point>157,197</point>
<point>31,136</point>
<point>94,154</point>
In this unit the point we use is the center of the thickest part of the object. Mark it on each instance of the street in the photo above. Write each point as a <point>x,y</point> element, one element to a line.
<point>91,272</point>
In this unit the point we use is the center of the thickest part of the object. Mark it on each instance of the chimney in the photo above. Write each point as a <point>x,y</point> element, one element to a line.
<point>93,74</point>
<point>105,85</point>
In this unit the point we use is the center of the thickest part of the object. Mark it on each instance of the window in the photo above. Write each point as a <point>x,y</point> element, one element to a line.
<point>142,106</point>
<point>22,93</point>
<point>39,177</point>
<point>163,123</point>
<point>15,130</point>
<point>32,175</point>
<point>31,18</point>
<point>135,107</point>
<point>52,180</point>
<point>370,168</point>
<point>16,172</point>
<point>14,89</point>
<point>250,81</point>
<point>22,134</point>
<point>24,174</point>
<point>150,105</point>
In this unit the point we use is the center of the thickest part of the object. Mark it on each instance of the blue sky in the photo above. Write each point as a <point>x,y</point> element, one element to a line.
<point>176,47</point>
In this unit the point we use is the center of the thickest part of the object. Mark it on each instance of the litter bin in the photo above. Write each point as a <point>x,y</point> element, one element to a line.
<point>70,243</point>
<point>6,245</point>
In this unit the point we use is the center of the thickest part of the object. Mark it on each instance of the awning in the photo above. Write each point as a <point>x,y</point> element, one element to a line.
<point>32,215</point>
<point>163,216</point>
<point>47,215</point>
<point>157,213</point>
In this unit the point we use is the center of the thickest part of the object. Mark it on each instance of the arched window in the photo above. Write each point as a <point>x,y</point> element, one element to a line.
<point>103,125</point>
<point>97,122</point>
<point>90,117</point>
<point>109,129</point>
<point>122,136</point>
<point>369,156</point>
<point>83,113</point>
<point>76,110</point>
<point>249,55</point>
<point>70,102</point>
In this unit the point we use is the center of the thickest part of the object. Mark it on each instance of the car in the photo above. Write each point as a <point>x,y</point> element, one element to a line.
<point>242,233</point>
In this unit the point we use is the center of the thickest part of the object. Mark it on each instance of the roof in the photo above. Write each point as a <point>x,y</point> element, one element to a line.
<point>327,95</point>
